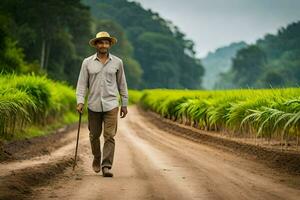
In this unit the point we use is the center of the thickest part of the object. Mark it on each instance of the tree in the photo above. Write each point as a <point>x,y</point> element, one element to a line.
<point>159,46</point>
<point>51,32</point>
<point>274,61</point>
<point>248,65</point>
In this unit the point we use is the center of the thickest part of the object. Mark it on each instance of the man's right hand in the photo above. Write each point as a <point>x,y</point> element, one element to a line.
<point>79,108</point>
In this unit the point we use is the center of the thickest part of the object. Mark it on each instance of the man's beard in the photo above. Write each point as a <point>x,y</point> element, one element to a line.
<point>103,51</point>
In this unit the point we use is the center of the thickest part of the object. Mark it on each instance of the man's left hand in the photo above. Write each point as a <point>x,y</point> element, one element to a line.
<point>123,112</point>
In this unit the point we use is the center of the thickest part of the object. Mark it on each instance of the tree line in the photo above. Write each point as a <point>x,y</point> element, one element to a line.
<point>273,61</point>
<point>51,37</point>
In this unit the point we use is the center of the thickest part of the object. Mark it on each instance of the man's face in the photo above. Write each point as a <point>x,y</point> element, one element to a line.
<point>103,46</point>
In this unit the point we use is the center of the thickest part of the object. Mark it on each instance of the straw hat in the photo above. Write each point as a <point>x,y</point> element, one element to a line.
<point>102,35</point>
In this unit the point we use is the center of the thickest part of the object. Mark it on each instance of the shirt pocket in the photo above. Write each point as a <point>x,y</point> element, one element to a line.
<point>94,69</point>
<point>110,76</point>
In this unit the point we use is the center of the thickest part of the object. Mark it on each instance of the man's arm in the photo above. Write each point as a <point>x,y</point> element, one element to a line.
<point>122,85</point>
<point>82,84</point>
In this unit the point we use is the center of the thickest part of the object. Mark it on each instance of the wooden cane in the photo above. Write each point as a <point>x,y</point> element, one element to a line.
<point>77,141</point>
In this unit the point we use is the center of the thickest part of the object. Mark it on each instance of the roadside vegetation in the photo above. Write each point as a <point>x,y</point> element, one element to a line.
<point>33,105</point>
<point>272,115</point>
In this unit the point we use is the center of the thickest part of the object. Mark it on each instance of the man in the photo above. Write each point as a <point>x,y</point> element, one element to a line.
<point>102,74</point>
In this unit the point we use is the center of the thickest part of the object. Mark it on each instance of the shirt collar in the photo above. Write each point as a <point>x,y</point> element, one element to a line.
<point>109,56</point>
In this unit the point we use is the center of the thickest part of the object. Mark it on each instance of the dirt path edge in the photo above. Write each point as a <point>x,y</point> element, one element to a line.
<point>36,146</point>
<point>19,184</point>
<point>288,162</point>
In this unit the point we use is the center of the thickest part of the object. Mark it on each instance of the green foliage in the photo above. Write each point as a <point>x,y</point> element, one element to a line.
<point>264,113</point>
<point>14,106</point>
<point>250,63</point>
<point>218,62</point>
<point>166,57</point>
<point>11,56</point>
<point>272,62</point>
<point>51,36</point>
<point>134,96</point>
<point>32,100</point>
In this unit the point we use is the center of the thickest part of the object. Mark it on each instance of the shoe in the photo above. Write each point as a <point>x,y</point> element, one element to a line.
<point>106,172</point>
<point>96,165</point>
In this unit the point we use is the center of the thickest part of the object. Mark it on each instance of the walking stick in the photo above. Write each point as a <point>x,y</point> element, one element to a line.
<point>77,141</point>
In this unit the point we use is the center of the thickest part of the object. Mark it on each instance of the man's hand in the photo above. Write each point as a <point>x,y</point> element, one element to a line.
<point>123,112</point>
<point>79,108</point>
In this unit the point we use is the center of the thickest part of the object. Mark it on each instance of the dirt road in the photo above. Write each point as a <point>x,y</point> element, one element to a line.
<point>153,164</point>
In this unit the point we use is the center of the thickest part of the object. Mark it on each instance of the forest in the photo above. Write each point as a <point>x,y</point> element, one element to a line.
<point>272,62</point>
<point>51,37</point>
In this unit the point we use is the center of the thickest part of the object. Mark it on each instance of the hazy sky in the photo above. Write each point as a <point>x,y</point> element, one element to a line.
<point>215,23</point>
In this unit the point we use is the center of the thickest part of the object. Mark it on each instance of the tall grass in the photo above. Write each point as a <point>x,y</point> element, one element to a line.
<point>264,113</point>
<point>134,96</point>
<point>30,99</point>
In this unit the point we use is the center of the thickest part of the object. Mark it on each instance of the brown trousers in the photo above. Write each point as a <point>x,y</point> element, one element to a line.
<point>110,120</point>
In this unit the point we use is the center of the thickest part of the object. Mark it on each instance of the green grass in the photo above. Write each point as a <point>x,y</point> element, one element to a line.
<point>34,105</point>
<point>265,113</point>
<point>134,96</point>
<point>38,130</point>
<point>29,102</point>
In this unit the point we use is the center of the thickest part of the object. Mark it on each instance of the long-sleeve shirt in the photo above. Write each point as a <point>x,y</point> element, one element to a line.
<point>104,82</point>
